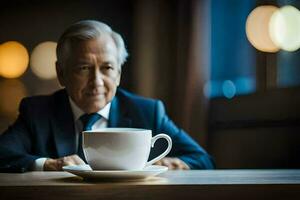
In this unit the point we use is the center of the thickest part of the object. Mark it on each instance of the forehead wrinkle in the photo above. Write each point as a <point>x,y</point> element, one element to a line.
<point>98,59</point>
<point>97,50</point>
<point>101,44</point>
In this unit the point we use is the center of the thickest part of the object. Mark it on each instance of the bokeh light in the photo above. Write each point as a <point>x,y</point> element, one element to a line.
<point>285,28</point>
<point>212,88</point>
<point>14,59</point>
<point>42,60</point>
<point>229,89</point>
<point>12,91</point>
<point>207,89</point>
<point>257,28</point>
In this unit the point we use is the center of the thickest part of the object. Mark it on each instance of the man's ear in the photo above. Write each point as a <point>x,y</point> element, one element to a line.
<point>119,77</point>
<point>60,73</point>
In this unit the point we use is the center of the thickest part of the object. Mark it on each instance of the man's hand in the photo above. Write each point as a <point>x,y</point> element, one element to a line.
<point>173,163</point>
<point>57,164</point>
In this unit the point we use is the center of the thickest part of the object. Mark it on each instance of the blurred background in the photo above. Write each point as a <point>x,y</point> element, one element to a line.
<point>228,71</point>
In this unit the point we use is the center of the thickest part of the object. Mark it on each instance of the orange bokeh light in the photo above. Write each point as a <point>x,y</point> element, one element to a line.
<point>257,28</point>
<point>14,59</point>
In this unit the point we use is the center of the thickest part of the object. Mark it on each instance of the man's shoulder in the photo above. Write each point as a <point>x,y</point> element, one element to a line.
<point>130,97</point>
<point>39,101</point>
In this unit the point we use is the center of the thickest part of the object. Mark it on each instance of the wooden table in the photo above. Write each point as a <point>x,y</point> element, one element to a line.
<point>184,185</point>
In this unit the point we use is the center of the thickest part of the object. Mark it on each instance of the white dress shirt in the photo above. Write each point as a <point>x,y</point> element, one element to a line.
<point>77,113</point>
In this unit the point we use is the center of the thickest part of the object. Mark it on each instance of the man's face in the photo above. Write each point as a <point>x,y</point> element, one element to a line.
<point>92,73</point>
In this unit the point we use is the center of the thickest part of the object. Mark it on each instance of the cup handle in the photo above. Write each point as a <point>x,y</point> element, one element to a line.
<point>153,140</point>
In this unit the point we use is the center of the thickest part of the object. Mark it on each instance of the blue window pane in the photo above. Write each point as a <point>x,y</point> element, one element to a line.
<point>233,59</point>
<point>288,69</point>
<point>288,63</point>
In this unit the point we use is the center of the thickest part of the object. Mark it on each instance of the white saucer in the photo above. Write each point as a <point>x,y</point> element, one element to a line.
<point>85,171</point>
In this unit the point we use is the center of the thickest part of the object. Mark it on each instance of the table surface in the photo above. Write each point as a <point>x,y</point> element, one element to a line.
<point>190,177</point>
<point>192,184</point>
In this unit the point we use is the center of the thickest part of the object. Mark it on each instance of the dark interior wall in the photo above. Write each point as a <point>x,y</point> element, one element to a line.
<point>256,131</point>
<point>32,21</point>
<point>253,148</point>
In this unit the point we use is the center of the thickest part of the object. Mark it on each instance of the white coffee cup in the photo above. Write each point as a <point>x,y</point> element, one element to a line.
<point>121,148</point>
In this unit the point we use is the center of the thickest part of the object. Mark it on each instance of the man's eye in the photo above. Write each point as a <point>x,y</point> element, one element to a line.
<point>84,68</point>
<point>107,67</point>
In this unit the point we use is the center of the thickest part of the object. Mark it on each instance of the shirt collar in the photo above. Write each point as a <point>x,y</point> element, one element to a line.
<point>77,112</point>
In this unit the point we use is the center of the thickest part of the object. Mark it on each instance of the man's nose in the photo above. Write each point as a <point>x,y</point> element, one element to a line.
<point>97,77</point>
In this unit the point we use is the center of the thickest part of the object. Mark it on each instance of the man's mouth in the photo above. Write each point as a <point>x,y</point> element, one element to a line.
<point>95,93</point>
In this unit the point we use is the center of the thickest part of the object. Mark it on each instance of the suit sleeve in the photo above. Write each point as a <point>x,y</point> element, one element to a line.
<point>16,144</point>
<point>184,147</point>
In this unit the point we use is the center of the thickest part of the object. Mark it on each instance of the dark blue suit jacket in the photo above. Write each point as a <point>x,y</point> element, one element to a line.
<point>45,128</point>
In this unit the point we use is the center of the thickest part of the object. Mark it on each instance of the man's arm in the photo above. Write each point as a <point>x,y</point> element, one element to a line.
<point>57,164</point>
<point>173,163</point>
<point>38,164</point>
<point>16,144</point>
<point>184,147</point>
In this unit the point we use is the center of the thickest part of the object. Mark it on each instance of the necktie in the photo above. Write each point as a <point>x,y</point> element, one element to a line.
<point>88,120</point>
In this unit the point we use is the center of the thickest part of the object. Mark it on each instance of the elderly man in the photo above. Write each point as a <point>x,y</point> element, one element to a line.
<point>46,134</point>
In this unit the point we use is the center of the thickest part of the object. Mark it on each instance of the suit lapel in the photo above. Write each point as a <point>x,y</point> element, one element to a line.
<point>118,113</point>
<point>63,122</point>
<point>63,125</point>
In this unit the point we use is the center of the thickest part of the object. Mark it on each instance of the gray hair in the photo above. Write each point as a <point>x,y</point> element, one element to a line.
<point>86,30</point>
